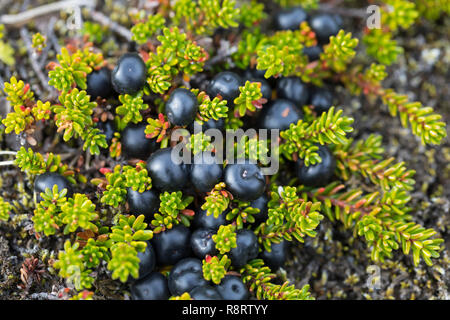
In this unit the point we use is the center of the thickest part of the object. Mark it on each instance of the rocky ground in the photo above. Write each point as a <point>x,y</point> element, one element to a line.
<point>335,263</point>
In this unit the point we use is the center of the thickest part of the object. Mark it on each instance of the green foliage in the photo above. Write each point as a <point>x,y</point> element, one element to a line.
<point>131,107</point>
<point>217,200</point>
<point>6,51</point>
<point>290,217</point>
<point>258,277</point>
<point>433,9</point>
<point>175,54</point>
<point>5,209</point>
<point>137,177</point>
<point>249,99</point>
<point>84,295</point>
<point>93,31</point>
<point>241,214</point>
<point>306,4</point>
<point>253,149</point>
<point>184,296</point>
<point>225,238</point>
<point>38,42</point>
<point>199,142</point>
<point>381,46</point>
<point>143,31</point>
<point>204,16</point>
<point>302,138</point>
<point>94,140</point>
<point>340,51</point>
<point>157,128</point>
<point>251,13</point>
<point>172,211</point>
<point>55,211</point>
<point>210,109</point>
<point>214,269</point>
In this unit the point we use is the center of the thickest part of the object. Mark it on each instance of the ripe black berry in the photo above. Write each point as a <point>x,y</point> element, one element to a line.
<point>185,276</point>
<point>134,142</point>
<point>48,180</point>
<point>147,261</point>
<point>166,175</point>
<point>128,77</point>
<point>203,221</point>
<point>261,204</point>
<point>205,173</point>
<point>294,89</point>
<point>146,203</point>
<point>319,174</point>
<point>226,84</point>
<point>245,181</point>
<point>276,258</point>
<point>152,287</point>
<point>172,245</point>
<point>205,292</point>
<point>246,248</point>
<point>107,128</point>
<point>279,114</point>
<point>325,25</point>
<point>313,53</point>
<point>232,288</point>
<point>99,84</point>
<point>290,18</point>
<point>181,107</point>
<point>202,243</point>
<point>321,99</point>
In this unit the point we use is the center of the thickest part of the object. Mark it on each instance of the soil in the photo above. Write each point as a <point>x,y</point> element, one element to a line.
<point>335,263</point>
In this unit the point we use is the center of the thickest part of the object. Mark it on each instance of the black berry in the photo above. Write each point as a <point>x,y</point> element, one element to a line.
<point>279,114</point>
<point>205,173</point>
<point>261,204</point>
<point>203,221</point>
<point>246,248</point>
<point>99,84</point>
<point>313,53</point>
<point>107,128</point>
<point>202,243</point>
<point>290,18</point>
<point>181,107</point>
<point>321,99</point>
<point>245,180</point>
<point>294,89</point>
<point>48,180</point>
<point>128,77</point>
<point>152,287</point>
<point>319,174</point>
<point>147,261</point>
<point>226,84</point>
<point>166,175</point>
<point>185,276</point>
<point>276,258</point>
<point>205,292</point>
<point>146,203</point>
<point>135,144</point>
<point>172,245</point>
<point>325,25</point>
<point>232,288</point>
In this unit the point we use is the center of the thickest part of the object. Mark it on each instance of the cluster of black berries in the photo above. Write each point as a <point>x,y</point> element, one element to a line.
<point>183,247</point>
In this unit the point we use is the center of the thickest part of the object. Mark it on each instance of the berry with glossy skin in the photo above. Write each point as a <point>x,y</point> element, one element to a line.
<point>226,84</point>
<point>313,53</point>
<point>185,276</point>
<point>321,99</point>
<point>232,288</point>
<point>290,18</point>
<point>317,175</point>
<point>203,221</point>
<point>147,261</point>
<point>128,77</point>
<point>107,128</point>
<point>276,258</point>
<point>166,175</point>
<point>325,25</point>
<point>202,243</point>
<point>245,181</point>
<point>246,248</point>
<point>99,84</point>
<point>181,107</point>
<point>205,172</point>
<point>134,143</point>
<point>261,204</point>
<point>279,114</point>
<point>48,180</point>
<point>205,292</point>
<point>294,89</point>
<point>152,287</point>
<point>146,203</point>
<point>172,245</point>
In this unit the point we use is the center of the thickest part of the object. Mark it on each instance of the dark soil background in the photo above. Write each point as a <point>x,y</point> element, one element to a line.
<point>336,264</point>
